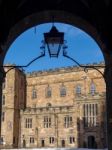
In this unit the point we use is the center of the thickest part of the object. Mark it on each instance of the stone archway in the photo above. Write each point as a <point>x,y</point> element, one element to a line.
<point>65,17</point>
<point>45,17</point>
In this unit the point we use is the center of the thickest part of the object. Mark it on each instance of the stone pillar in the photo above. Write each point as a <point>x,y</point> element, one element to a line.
<point>2,77</point>
<point>108,79</point>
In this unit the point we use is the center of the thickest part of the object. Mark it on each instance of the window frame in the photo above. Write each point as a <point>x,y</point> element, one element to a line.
<point>34,94</point>
<point>78,89</point>
<point>68,121</point>
<point>71,139</point>
<point>28,122</point>
<point>90,119</point>
<point>48,92</point>
<point>32,140</point>
<point>92,88</point>
<point>63,91</point>
<point>47,122</point>
<point>51,140</point>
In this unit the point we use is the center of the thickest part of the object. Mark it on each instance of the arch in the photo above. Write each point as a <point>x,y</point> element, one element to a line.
<point>60,16</point>
<point>45,17</point>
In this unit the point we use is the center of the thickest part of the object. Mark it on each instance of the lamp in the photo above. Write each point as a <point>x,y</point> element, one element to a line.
<point>54,41</point>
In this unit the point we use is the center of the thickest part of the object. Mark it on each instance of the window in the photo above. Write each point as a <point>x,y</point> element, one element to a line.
<point>78,89</point>
<point>34,94</point>
<point>3,116</point>
<point>67,121</point>
<point>92,89</point>
<point>90,112</point>
<point>72,140</point>
<point>62,91</point>
<point>31,139</point>
<point>3,85</point>
<point>51,140</point>
<point>48,92</point>
<point>47,122</point>
<point>28,123</point>
<point>3,99</point>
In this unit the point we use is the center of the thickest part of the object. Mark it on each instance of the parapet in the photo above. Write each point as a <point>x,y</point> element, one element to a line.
<point>60,70</point>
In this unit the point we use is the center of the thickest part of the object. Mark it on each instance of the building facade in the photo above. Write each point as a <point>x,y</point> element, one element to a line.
<point>13,100</point>
<point>56,108</point>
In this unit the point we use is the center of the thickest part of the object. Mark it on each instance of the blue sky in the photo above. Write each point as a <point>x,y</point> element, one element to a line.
<point>27,46</point>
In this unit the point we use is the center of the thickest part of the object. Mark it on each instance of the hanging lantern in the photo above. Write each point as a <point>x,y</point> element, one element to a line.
<point>54,41</point>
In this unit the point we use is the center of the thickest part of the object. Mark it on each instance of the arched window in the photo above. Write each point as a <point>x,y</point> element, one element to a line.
<point>78,90</point>
<point>34,94</point>
<point>63,91</point>
<point>48,92</point>
<point>92,88</point>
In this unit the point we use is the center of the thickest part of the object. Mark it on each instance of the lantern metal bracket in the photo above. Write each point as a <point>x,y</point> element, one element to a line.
<point>22,66</point>
<point>52,38</point>
<point>85,67</point>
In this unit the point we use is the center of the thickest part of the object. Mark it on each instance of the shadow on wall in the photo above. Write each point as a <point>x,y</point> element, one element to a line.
<point>88,129</point>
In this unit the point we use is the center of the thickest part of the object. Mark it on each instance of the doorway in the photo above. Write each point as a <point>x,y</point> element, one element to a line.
<point>24,143</point>
<point>42,143</point>
<point>63,143</point>
<point>91,142</point>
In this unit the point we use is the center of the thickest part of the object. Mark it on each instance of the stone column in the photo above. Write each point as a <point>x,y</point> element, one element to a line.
<point>108,79</point>
<point>2,77</point>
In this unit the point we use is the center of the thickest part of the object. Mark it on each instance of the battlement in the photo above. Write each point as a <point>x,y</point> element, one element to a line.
<point>56,70</point>
<point>61,70</point>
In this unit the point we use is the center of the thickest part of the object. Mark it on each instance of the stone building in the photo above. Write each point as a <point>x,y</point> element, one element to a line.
<point>56,108</point>
<point>13,100</point>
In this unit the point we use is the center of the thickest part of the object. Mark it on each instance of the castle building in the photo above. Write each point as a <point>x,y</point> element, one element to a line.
<point>56,108</point>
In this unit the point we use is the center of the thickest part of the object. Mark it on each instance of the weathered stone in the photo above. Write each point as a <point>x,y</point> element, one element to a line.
<point>19,106</point>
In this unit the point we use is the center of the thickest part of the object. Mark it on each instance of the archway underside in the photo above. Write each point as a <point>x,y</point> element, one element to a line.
<point>62,16</point>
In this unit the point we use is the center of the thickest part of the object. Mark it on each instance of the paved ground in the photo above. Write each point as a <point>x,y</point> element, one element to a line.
<point>55,149</point>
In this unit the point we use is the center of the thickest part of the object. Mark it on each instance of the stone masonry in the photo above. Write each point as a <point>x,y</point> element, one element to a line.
<point>56,108</point>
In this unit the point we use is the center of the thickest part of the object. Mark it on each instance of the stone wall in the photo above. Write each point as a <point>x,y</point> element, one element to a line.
<point>21,104</point>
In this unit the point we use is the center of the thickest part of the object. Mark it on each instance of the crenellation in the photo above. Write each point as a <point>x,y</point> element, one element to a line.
<point>60,70</point>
